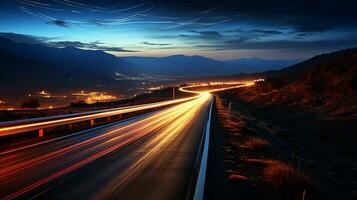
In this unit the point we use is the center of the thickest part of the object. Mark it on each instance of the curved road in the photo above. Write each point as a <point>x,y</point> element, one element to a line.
<point>151,156</point>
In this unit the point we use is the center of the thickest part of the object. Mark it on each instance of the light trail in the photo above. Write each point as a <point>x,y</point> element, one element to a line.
<point>27,170</point>
<point>7,128</point>
<point>69,156</point>
<point>236,85</point>
<point>20,126</point>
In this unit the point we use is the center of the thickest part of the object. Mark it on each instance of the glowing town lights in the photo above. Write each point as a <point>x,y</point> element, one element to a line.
<point>43,92</point>
<point>1,102</point>
<point>10,109</point>
<point>94,97</point>
<point>99,97</point>
<point>81,93</point>
<point>155,88</point>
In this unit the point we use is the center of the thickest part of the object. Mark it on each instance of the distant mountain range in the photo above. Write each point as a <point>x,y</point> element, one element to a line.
<point>69,59</point>
<point>182,65</point>
<point>30,66</point>
<point>27,68</point>
<point>253,65</point>
<point>74,59</point>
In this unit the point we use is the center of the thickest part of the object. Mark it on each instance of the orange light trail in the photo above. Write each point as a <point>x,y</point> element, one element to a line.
<point>26,169</point>
<point>14,129</point>
<point>70,157</point>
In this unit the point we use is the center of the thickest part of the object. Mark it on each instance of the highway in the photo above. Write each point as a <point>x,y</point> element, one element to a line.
<point>151,156</point>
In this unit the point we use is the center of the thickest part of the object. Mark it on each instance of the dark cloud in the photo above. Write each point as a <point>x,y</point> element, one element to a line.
<point>208,34</point>
<point>155,44</point>
<point>287,44</point>
<point>258,31</point>
<point>305,16</point>
<point>203,35</point>
<point>239,40</point>
<point>96,45</point>
<point>92,46</point>
<point>24,38</point>
<point>116,49</point>
<point>184,35</point>
<point>59,22</point>
<point>280,44</point>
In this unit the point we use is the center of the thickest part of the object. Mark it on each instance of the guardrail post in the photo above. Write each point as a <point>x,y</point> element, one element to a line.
<point>40,132</point>
<point>92,122</point>
<point>70,126</point>
<point>119,116</point>
<point>109,119</point>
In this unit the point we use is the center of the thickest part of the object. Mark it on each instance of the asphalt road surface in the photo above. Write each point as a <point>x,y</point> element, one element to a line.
<point>151,156</point>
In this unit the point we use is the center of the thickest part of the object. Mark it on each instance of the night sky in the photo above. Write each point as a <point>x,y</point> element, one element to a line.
<point>221,29</point>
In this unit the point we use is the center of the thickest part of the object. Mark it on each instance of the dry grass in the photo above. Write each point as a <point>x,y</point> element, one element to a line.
<point>286,182</point>
<point>257,144</point>
<point>235,176</point>
<point>257,161</point>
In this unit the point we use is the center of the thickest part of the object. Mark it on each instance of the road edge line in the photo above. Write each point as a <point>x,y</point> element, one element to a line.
<point>200,183</point>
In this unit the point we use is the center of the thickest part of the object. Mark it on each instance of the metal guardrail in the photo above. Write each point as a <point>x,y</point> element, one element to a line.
<point>201,179</point>
<point>21,126</point>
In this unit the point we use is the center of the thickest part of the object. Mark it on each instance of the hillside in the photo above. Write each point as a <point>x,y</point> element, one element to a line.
<point>302,117</point>
<point>198,66</point>
<point>326,83</point>
<point>69,59</point>
<point>253,65</point>
<point>29,68</point>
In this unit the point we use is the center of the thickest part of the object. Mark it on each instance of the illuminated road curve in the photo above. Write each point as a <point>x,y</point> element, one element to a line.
<point>151,156</point>
<point>20,126</point>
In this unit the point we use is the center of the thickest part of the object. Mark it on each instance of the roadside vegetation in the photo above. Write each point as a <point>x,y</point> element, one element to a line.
<point>286,182</point>
<point>252,158</point>
<point>256,144</point>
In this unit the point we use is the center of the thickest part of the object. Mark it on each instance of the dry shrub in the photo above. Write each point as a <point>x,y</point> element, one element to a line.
<point>257,161</point>
<point>286,182</point>
<point>237,177</point>
<point>257,144</point>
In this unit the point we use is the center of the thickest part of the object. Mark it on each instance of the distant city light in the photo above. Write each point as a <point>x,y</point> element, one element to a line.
<point>43,92</point>
<point>94,97</point>
<point>155,88</point>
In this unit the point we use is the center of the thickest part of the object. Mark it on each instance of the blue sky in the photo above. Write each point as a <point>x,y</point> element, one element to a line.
<point>222,29</point>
